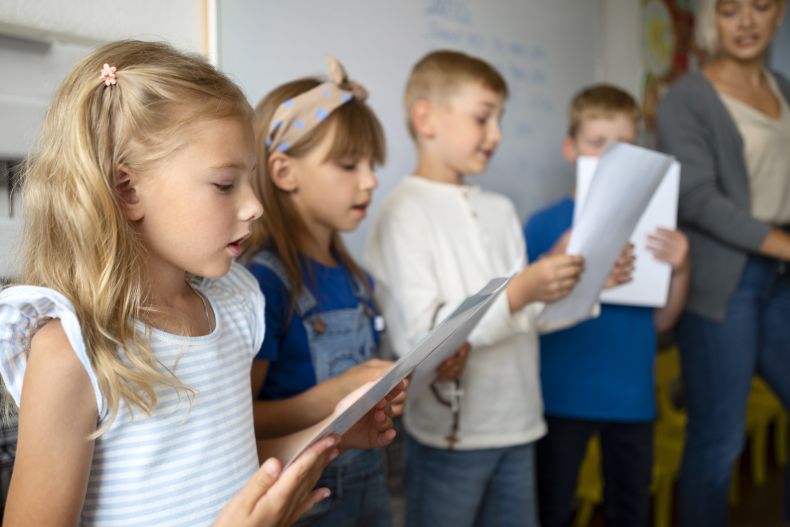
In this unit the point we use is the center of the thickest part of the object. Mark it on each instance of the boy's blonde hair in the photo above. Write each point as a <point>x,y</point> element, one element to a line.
<point>600,100</point>
<point>76,238</point>
<point>706,35</point>
<point>358,134</point>
<point>438,75</point>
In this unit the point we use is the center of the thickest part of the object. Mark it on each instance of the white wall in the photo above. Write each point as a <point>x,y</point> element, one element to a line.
<point>181,22</point>
<point>41,40</point>
<point>622,56</point>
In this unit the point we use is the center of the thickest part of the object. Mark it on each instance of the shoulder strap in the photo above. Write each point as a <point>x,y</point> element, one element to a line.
<point>305,301</point>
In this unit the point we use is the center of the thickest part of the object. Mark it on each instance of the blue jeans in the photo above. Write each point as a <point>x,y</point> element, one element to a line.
<point>718,361</point>
<point>359,493</point>
<point>627,460</point>
<point>464,488</point>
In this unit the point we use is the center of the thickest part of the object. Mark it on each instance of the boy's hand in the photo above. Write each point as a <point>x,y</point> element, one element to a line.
<point>623,269</point>
<point>670,246</point>
<point>375,429</point>
<point>550,278</point>
<point>452,368</point>
<point>274,497</point>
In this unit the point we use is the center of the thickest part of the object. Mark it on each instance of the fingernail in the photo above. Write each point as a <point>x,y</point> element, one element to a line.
<point>271,467</point>
<point>325,493</point>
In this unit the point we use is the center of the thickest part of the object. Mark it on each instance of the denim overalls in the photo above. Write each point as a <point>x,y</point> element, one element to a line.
<point>338,340</point>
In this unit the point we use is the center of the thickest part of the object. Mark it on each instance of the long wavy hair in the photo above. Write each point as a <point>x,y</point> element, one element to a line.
<point>76,238</point>
<point>358,134</point>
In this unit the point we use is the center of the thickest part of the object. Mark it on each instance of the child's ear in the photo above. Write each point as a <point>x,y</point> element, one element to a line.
<point>569,150</point>
<point>283,172</point>
<point>421,118</point>
<point>126,187</point>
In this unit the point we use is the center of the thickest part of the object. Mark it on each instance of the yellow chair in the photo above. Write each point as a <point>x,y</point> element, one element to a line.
<point>670,435</point>
<point>763,410</point>
<point>589,489</point>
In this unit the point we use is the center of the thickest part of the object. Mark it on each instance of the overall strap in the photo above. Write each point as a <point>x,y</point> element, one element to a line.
<point>305,301</point>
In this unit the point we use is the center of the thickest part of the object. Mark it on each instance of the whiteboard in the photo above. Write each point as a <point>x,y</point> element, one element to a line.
<point>546,49</point>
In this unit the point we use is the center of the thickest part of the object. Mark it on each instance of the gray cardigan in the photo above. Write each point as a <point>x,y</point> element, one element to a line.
<point>715,205</point>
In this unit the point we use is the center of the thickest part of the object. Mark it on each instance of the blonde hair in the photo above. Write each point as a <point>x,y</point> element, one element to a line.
<point>600,100</point>
<point>706,35</point>
<point>76,237</point>
<point>357,135</point>
<point>439,74</point>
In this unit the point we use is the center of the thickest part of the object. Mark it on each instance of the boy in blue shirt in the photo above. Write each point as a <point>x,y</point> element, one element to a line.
<point>597,377</point>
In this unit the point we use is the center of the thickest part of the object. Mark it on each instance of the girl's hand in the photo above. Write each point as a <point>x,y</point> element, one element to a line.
<point>561,245</point>
<point>670,246</point>
<point>551,278</point>
<point>375,429</point>
<point>452,368</point>
<point>276,498</point>
<point>623,269</point>
<point>362,373</point>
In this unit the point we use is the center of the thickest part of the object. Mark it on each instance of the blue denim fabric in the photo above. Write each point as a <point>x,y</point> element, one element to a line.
<point>338,340</point>
<point>718,361</point>
<point>359,495</point>
<point>464,488</point>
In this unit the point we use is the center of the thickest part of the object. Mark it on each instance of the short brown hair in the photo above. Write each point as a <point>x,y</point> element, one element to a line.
<point>600,100</point>
<point>438,74</point>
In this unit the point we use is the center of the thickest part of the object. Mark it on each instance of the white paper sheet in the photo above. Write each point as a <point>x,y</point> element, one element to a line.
<point>625,179</point>
<point>435,347</point>
<point>650,284</point>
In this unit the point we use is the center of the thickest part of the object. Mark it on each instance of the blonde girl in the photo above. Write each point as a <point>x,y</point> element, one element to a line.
<point>318,143</point>
<point>134,371</point>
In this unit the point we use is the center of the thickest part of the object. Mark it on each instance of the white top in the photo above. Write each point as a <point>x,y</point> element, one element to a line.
<point>432,244</point>
<point>766,151</point>
<point>181,465</point>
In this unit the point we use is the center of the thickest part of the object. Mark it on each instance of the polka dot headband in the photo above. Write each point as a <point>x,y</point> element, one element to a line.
<point>297,116</point>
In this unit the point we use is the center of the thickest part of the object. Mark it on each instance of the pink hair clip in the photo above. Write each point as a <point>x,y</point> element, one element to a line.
<point>108,75</point>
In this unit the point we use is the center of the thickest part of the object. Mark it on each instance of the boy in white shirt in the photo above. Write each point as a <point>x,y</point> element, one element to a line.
<point>434,241</point>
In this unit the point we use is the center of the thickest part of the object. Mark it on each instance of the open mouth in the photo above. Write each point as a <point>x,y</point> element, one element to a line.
<point>235,246</point>
<point>746,40</point>
<point>361,208</point>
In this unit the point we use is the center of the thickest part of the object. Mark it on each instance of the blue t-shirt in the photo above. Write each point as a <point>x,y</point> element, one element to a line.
<point>285,344</point>
<point>601,369</point>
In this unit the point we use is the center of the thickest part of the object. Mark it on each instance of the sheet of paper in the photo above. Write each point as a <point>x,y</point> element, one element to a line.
<point>439,344</point>
<point>625,180</point>
<point>650,284</point>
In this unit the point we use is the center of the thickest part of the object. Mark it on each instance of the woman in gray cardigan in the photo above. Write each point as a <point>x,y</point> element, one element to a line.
<point>729,126</point>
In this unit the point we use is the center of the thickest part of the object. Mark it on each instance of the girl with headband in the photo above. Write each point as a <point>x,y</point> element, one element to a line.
<point>134,369</point>
<point>318,143</point>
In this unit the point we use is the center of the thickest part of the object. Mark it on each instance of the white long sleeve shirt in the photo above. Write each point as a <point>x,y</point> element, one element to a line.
<point>431,245</point>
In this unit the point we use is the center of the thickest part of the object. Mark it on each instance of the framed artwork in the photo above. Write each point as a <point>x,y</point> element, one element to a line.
<point>667,48</point>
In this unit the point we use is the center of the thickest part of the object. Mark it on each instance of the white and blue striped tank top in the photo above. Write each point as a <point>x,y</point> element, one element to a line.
<point>180,466</point>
